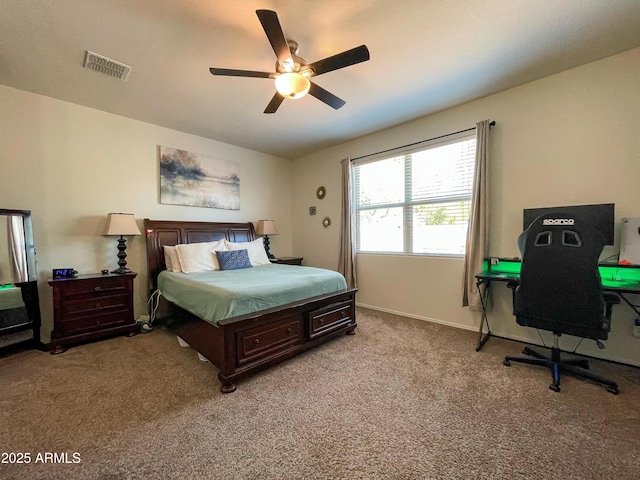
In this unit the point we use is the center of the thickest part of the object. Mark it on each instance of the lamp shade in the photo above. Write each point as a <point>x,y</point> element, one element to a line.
<point>292,85</point>
<point>266,227</point>
<point>121,224</point>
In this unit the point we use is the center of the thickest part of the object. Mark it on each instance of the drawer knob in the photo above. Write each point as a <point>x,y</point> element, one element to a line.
<point>256,342</point>
<point>321,322</point>
<point>343,313</point>
<point>289,331</point>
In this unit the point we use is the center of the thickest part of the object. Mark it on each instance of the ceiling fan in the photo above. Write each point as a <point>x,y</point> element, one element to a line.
<point>293,73</point>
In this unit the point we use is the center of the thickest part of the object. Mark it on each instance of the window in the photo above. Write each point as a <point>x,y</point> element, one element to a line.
<point>417,202</point>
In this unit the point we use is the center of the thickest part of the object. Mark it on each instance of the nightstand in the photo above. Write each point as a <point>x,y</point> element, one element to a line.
<point>288,260</point>
<point>91,306</point>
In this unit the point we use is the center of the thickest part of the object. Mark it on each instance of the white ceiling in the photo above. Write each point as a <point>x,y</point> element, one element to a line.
<point>426,55</point>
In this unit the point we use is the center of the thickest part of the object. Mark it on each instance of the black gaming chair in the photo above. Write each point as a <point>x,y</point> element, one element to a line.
<point>560,291</point>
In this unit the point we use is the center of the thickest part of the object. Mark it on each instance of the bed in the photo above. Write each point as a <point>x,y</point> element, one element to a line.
<point>243,339</point>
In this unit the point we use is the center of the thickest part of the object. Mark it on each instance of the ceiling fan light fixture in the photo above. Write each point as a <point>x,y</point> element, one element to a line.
<point>306,71</point>
<point>292,85</point>
<point>292,72</point>
<point>288,65</point>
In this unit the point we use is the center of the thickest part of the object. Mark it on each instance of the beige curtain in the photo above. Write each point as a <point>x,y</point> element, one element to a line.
<point>17,249</point>
<point>347,259</point>
<point>477,247</point>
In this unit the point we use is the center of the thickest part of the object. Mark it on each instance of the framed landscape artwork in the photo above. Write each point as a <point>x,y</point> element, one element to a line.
<point>198,180</point>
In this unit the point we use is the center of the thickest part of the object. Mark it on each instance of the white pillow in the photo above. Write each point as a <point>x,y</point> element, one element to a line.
<point>197,257</point>
<point>171,259</point>
<point>255,249</point>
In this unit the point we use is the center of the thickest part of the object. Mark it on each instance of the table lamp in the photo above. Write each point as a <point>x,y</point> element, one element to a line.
<point>121,224</point>
<point>266,228</point>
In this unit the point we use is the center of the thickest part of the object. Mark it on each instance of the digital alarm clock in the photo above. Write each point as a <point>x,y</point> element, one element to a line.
<point>64,273</point>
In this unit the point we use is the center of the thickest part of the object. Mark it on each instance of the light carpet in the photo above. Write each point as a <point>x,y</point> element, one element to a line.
<point>401,399</point>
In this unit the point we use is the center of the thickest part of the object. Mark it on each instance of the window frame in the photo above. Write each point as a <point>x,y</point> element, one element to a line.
<point>409,203</point>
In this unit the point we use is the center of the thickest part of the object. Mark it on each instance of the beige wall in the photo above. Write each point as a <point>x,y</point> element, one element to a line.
<point>71,165</point>
<point>571,138</point>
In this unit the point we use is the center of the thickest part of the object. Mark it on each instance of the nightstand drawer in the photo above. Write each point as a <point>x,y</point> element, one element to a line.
<point>74,326</point>
<point>91,306</point>
<point>95,306</point>
<point>94,287</point>
<point>329,319</point>
<point>261,341</point>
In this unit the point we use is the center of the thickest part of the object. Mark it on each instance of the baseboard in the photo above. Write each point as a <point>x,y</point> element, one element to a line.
<point>418,317</point>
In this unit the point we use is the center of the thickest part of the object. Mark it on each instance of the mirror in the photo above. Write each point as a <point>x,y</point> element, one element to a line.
<point>19,303</point>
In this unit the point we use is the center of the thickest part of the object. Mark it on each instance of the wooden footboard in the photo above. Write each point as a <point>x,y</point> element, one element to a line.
<point>241,346</point>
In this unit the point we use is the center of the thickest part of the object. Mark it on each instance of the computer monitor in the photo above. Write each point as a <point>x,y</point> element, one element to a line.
<point>600,216</point>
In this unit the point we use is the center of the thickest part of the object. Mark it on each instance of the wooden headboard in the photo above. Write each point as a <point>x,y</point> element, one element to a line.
<point>166,232</point>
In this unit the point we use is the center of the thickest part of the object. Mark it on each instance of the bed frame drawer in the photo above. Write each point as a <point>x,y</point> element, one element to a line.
<point>329,318</point>
<point>265,340</point>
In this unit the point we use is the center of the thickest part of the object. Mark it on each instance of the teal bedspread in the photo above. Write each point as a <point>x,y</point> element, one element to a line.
<point>217,295</point>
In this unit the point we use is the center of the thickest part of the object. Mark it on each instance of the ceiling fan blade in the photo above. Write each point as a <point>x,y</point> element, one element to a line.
<point>274,103</point>
<point>239,73</point>
<point>326,96</point>
<point>271,26</point>
<point>341,60</point>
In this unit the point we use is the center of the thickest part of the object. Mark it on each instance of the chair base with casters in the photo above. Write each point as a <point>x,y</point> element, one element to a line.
<point>574,367</point>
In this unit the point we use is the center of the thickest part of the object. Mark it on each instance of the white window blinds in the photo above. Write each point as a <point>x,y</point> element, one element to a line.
<point>417,202</point>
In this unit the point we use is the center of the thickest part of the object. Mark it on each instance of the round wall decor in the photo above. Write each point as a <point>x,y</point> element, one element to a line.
<point>326,222</point>
<point>321,192</point>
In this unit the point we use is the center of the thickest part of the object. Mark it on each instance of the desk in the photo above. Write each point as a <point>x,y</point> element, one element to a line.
<point>620,280</point>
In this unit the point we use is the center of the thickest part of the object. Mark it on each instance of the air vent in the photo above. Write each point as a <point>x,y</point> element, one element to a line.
<point>107,66</point>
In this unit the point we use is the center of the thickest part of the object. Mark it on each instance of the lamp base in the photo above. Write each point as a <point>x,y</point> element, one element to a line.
<point>122,255</point>
<point>121,271</point>
<point>270,255</point>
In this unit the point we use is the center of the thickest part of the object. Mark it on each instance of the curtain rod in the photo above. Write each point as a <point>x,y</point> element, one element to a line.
<point>418,143</point>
